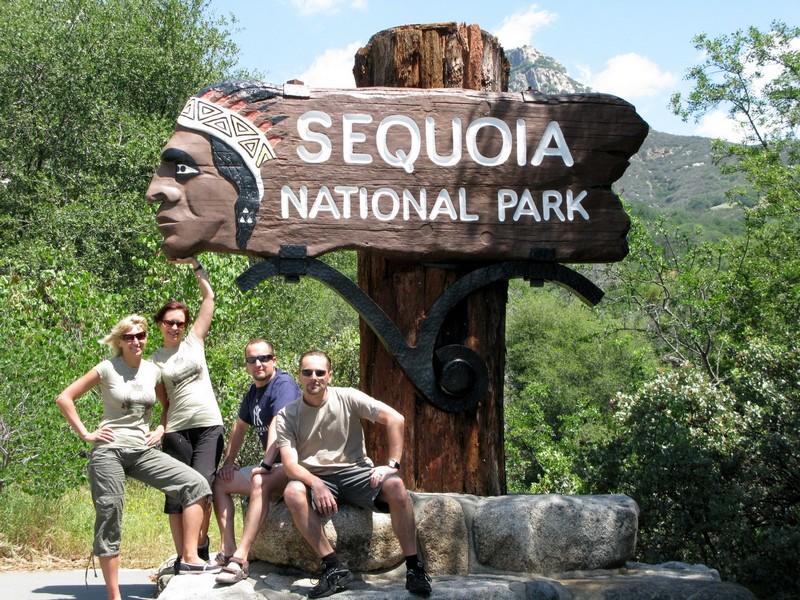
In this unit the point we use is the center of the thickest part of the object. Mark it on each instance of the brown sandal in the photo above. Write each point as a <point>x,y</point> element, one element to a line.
<point>233,574</point>
<point>222,559</point>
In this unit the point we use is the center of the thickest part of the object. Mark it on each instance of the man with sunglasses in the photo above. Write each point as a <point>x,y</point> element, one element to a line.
<point>321,442</point>
<point>270,391</point>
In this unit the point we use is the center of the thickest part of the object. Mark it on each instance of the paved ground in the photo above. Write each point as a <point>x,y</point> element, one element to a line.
<point>135,584</point>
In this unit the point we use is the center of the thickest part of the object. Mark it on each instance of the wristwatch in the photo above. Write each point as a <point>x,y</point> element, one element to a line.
<point>266,467</point>
<point>395,464</point>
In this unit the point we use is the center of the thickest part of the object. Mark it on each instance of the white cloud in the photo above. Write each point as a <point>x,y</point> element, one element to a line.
<point>717,124</point>
<point>310,7</point>
<point>518,29</point>
<point>629,76</point>
<point>332,68</point>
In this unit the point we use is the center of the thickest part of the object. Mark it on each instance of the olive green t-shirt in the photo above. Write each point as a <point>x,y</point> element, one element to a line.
<point>128,396</point>
<point>192,402</point>
<point>330,437</point>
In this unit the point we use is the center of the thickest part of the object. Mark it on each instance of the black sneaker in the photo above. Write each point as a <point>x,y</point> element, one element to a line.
<point>333,580</point>
<point>417,581</point>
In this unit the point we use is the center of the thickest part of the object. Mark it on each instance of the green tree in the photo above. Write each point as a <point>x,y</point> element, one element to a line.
<point>564,365</point>
<point>711,450</point>
<point>88,93</point>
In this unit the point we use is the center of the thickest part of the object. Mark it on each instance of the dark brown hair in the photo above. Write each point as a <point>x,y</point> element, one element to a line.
<point>315,353</point>
<point>172,305</point>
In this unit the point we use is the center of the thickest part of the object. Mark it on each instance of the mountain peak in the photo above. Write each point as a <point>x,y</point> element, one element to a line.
<point>533,69</point>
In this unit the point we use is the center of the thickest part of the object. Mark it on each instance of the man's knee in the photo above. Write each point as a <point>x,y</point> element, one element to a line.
<point>295,495</point>
<point>394,491</point>
<point>258,485</point>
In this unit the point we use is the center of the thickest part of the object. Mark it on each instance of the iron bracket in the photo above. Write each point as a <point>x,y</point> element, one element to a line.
<point>453,378</point>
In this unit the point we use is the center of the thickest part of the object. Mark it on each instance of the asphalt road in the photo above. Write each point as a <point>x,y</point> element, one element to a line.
<point>135,584</point>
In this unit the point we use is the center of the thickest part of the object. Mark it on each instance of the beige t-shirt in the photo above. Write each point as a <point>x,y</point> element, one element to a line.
<point>192,402</point>
<point>128,396</point>
<point>330,437</point>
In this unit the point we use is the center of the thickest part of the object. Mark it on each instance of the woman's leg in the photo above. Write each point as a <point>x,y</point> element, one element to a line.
<point>207,446</point>
<point>178,445</point>
<point>110,567</point>
<point>179,481</point>
<point>192,522</point>
<point>107,481</point>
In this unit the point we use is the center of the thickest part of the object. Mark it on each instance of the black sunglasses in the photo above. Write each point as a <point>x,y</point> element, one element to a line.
<point>171,323</point>
<point>251,360</point>
<point>310,372</point>
<point>129,337</point>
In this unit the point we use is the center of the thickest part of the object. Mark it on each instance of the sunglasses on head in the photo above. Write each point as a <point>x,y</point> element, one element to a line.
<point>251,360</point>
<point>310,372</point>
<point>129,337</point>
<point>171,323</point>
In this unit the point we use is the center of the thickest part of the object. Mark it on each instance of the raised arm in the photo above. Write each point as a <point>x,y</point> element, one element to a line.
<point>203,321</point>
<point>66,404</point>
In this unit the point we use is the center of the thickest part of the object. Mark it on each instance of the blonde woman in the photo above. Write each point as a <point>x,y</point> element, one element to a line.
<point>123,445</point>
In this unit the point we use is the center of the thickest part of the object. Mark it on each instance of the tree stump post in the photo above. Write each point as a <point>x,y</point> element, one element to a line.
<point>444,452</point>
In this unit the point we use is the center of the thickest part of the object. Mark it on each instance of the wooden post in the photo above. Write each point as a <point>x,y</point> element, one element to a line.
<point>444,452</point>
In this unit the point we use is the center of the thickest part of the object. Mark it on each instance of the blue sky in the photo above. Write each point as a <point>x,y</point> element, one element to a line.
<point>638,50</point>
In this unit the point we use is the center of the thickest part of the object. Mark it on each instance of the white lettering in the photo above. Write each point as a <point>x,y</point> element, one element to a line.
<point>551,200</point>
<point>324,203</point>
<point>420,207</point>
<point>363,206</point>
<point>552,133</point>
<point>346,191</point>
<point>462,206</point>
<point>300,204</point>
<point>443,205</point>
<point>522,143</point>
<point>505,199</point>
<point>574,205</point>
<point>400,158</point>
<point>430,143</point>
<point>376,198</point>
<point>526,206</point>
<point>349,137</point>
<point>472,145</point>
<point>303,129</point>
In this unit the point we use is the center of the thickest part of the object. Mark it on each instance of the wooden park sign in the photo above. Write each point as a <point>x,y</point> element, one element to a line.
<point>423,174</point>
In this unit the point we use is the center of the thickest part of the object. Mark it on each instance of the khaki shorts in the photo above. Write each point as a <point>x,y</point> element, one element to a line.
<point>107,470</point>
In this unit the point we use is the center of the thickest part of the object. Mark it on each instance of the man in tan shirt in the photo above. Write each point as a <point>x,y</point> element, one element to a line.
<point>321,442</point>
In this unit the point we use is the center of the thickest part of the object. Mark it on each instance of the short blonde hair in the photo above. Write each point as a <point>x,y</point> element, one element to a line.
<point>114,338</point>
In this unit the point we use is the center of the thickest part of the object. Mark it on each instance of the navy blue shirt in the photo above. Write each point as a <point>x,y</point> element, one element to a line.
<point>261,404</point>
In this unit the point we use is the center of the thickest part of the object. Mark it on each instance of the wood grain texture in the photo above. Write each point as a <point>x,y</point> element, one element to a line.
<point>444,452</point>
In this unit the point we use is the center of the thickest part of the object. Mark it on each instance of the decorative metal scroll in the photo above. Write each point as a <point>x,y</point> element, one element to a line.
<point>453,378</point>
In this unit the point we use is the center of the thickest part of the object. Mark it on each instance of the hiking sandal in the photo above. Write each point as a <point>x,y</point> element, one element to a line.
<point>234,572</point>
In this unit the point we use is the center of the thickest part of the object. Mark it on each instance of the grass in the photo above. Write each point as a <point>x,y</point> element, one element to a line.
<point>57,532</point>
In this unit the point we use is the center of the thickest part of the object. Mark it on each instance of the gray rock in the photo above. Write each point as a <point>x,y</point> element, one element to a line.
<point>633,582</point>
<point>547,534</point>
<point>442,534</point>
<point>364,540</point>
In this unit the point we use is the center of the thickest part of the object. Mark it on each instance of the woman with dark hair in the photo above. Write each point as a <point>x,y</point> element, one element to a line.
<point>123,446</point>
<point>194,430</point>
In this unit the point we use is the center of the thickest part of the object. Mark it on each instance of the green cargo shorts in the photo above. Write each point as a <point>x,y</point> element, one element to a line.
<point>107,470</point>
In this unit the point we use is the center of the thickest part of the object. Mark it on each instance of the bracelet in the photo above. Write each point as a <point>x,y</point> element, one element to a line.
<point>266,467</point>
<point>199,267</point>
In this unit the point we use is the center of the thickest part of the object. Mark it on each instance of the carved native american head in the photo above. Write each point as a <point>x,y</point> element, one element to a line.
<point>209,183</point>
